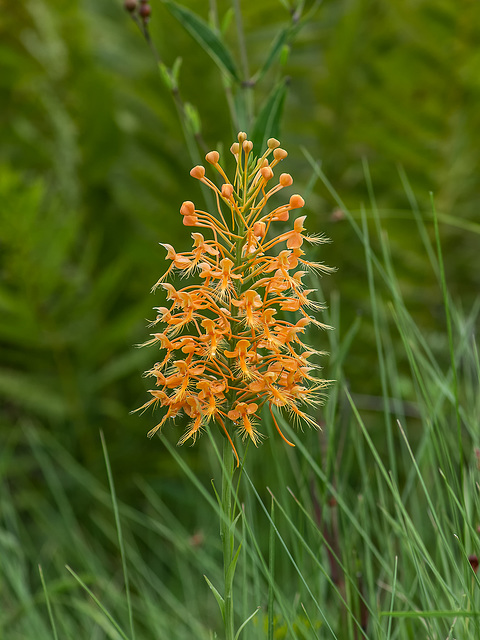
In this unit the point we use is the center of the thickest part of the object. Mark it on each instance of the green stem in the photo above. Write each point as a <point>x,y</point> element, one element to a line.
<point>246,88</point>
<point>227,533</point>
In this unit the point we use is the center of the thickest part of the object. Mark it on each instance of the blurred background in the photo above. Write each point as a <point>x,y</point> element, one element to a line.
<point>94,167</point>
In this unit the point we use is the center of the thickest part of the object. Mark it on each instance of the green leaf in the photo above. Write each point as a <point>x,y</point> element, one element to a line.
<point>275,52</point>
<point>176,70</point>
<point>267,124</point>
<point>219,500</point>
<point>193,118</point>
<point>245,622</point>
<point>205,36</point>
<point>165,75</point>
<point>218,597</point>
<point>226,20</point>
<point>233,565</point>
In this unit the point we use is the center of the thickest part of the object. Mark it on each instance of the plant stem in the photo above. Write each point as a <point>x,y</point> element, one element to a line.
<point>227,533</point>
<point>246,89</point>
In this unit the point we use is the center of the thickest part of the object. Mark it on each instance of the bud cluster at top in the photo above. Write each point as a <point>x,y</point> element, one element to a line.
<point>232,342</point>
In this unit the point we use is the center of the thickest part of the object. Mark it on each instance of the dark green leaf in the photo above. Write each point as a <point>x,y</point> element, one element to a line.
<point>275,52</point>
<point>267,124</point>
<point>205,36</point>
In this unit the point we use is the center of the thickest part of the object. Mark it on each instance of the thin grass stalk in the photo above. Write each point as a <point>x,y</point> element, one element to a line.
<point>119,534</point>
<point>98,602</point>
<point>47,601</point>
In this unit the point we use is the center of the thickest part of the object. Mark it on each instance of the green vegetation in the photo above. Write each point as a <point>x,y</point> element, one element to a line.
<point>369,527</point>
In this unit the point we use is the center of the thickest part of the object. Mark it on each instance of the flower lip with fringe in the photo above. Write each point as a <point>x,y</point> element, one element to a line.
<point>227,349</point>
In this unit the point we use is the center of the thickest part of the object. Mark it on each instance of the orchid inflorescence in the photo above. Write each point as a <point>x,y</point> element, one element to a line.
<point>228,347</point>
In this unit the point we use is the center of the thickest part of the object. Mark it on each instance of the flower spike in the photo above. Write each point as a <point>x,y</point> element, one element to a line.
<point>229,343</point>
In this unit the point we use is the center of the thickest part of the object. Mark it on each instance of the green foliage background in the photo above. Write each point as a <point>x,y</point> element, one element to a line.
<point>94,167</point>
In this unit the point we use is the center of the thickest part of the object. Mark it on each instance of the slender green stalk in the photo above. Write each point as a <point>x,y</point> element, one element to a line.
<point>119,534</point>
<point>227,533</point>
<point>246,89</point>
<point>47,601</point>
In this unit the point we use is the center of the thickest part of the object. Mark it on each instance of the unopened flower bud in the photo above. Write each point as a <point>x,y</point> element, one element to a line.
<point>242,136</point>
<point>267,173</point>
<point>187,208</point>
<point>190,221</point>
<point>296,202</point>
<point>198,172</point>
<point>212,157</point>
<point>227,190</point>
<point>273,143</point>
<point>235,148</point>
<point>280,154</point>
<point>130,5</point>
<point>285,180</point>
<point>247,146</point>
<point>145,11</point>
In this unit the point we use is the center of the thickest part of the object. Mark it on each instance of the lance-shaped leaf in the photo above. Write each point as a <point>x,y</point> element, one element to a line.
<point>267,124</point>
<point>206,37</point>
<point>218,597</point>
<point>281,39</point>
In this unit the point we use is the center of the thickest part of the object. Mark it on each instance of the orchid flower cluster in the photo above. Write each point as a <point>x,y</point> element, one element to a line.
<point>232,343</point>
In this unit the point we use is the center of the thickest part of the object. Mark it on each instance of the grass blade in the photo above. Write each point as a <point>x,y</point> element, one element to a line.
<point>47,600</point>
<point>119,533</point>
<point>106,613</point>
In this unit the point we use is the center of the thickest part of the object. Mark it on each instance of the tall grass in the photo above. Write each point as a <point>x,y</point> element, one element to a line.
<point>367,529</point>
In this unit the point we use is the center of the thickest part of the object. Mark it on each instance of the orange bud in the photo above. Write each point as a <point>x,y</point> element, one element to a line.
<point>227,190</point>
<point>190,221</point>
<point>273,143</point>
<point>198,172</point>
<point>285,180</point>
<point>247,146</point>
<point>187,208</point>
<point>280,154</point>
<point>267,173</point>
<point>212,157</point>
<point>235,148</point>
<point>242,136</point>
<point>296,202</point>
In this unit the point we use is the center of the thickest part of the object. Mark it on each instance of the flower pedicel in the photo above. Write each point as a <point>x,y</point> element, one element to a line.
<point>232,343</point>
